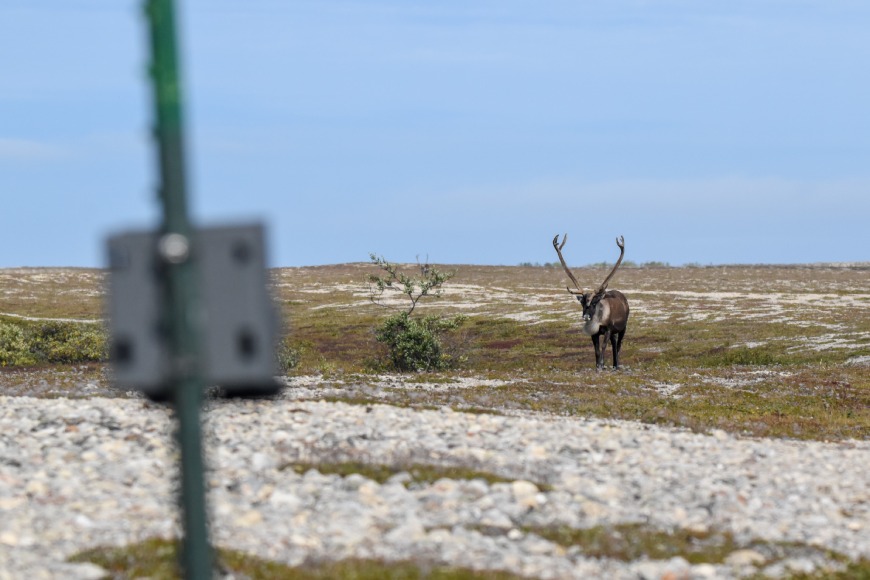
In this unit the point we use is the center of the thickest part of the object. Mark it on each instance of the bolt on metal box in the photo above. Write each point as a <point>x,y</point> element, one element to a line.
<point>236,318</point>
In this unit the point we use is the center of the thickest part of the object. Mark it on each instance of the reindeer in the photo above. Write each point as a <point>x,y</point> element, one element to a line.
<point>605,312</point>
<point>424,267</point>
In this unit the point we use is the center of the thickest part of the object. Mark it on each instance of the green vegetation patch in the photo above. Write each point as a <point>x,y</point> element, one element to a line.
<point>631,542</point>
<point>725,356</point>
<point>157,559</point>
<point>287,356</point>
<point>812,402</point>
<point>852,571</point>
<point>414,344</point>
<point>820,402</point>
<point>27,343</point>
<point>420,474</point>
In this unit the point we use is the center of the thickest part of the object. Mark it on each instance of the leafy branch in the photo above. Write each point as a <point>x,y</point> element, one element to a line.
<point>415,288</point>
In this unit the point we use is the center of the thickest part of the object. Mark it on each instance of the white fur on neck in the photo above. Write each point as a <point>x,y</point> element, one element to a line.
<point>602,312</point>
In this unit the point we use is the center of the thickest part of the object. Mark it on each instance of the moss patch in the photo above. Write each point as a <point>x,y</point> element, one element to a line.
<point>631,542</point>
<point>420,474</point>
<point>157,559</point>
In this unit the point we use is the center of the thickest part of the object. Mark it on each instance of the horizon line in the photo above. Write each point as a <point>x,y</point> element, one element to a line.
<point>626,264</point>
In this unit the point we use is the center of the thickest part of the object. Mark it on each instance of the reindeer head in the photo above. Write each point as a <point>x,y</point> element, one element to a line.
<point>589,302</point>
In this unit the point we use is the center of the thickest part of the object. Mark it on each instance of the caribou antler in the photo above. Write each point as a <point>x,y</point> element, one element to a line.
<point>558,248</point>
<point>620,241</point>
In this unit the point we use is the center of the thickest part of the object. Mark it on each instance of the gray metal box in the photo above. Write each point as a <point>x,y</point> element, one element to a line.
<point>239,323</point>
<point>139,350</point>
<point>240,326</point>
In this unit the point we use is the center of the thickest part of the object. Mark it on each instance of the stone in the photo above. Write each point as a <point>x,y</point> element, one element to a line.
<point>249,518</point>
<point>741,558</point>
<point>260,461</point>
<point>701,571</point>
<point>522,488</point>
<point>285,500</point>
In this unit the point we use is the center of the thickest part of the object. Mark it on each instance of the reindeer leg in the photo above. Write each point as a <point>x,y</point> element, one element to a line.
<point>615,338</point>
<point>598,359</point>
<point>616,348</point>
<point>607,336</point>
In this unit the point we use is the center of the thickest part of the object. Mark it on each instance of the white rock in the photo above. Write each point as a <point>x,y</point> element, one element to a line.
<point>740,558</point>
<point>260,461</point>
<point>522,489</point>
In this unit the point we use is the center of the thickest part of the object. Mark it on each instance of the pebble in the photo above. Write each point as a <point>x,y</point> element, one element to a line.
<point>110,481</point>
<point>740,558</point>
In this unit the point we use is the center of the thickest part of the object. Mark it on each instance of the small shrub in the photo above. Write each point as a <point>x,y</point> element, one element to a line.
<point>66,342</point>
<point>287,356</point>
<point>28,343</point>
<point>414,344</point>
<point>14,349</point>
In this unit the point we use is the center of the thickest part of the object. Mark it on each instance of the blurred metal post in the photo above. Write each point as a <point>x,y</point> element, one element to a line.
<point>181,304</point>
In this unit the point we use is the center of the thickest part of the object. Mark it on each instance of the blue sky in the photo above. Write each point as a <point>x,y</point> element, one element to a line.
<point>469,130</point>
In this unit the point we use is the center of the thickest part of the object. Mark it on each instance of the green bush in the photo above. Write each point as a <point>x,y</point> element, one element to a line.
<point>414,343</point>
<point>66,342</point>
<point>25,343</point>
<point>288,357</point>
<point>14,348</point>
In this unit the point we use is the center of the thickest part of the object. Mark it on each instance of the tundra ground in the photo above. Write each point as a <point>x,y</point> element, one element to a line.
<point>739,353</point>
<point>757,350</point>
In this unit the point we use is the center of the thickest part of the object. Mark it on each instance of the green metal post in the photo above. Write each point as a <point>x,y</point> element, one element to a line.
<point>181,299</point>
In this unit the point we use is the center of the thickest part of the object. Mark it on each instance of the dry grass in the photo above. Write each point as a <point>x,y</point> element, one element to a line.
<point>68,293</point>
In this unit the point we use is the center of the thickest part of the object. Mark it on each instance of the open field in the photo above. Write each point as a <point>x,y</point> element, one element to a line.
<point>733,442</point>
<point>767,351</point>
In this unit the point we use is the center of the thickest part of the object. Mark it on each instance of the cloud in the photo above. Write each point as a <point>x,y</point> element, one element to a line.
<point>724,193</point>
<point>76,149</point>
<point>28,150</point>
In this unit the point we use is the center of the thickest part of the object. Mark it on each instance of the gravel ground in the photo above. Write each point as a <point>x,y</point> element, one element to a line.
<point>75,474</point>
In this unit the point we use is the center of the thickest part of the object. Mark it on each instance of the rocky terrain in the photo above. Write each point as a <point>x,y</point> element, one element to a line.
<point>77,474</point>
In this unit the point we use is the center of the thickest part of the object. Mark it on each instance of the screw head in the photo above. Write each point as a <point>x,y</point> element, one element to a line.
<point>174,248</point>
